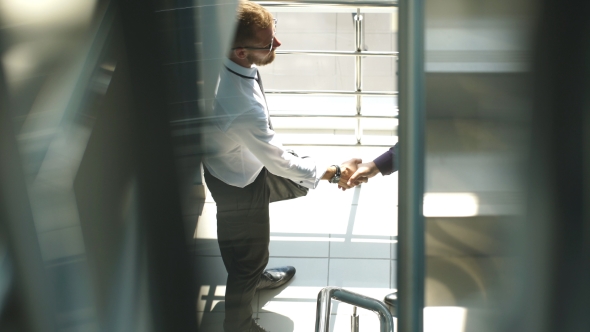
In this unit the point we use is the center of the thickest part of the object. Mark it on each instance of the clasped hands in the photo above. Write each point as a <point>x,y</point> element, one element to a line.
<point>354,172</point>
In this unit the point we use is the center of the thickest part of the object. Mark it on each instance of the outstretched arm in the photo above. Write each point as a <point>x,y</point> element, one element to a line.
<point>363,173</point>
<point>384,164</point>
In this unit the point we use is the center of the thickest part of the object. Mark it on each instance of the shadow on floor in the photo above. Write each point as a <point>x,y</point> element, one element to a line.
<point>212,321</point>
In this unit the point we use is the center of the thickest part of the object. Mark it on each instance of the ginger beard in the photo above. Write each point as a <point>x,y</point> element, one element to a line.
<point>263,60</point>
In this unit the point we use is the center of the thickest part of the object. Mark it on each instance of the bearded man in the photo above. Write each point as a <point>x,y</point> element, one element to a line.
<point>242,148</point>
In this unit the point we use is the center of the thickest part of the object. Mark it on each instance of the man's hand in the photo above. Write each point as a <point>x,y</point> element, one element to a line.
<point>347,169</point>
<point>363,173</point>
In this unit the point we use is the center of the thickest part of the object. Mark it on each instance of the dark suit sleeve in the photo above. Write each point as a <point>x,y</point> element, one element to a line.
<point>387,163</point>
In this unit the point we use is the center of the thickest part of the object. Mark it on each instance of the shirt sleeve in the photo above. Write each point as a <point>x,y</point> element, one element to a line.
<point>252,130</point>
<point>387,163</point>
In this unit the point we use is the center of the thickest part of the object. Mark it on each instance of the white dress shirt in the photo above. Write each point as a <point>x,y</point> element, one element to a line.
<point>240,143</point>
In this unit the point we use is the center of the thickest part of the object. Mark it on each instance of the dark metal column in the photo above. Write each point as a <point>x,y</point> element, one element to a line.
<point>171,284</point>
<point>411,172</point>
<point>556,267</point>
<point>32,305</point>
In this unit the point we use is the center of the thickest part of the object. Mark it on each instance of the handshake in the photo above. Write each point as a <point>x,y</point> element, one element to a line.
<point>352,173</point>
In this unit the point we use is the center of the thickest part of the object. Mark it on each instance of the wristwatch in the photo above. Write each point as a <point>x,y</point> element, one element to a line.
<point>336,177</point>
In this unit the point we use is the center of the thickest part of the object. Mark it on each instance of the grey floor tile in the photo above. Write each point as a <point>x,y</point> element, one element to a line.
<point>369,249</point>
<point>311,272</point>
<point>273,321</point>
<point>359,273</point>
<point>305,246</point>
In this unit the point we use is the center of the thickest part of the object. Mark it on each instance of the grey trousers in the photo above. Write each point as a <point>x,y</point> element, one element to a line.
<point>243,234</point>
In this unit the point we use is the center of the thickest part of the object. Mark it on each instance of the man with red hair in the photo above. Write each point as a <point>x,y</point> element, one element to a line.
<point>242,149</point>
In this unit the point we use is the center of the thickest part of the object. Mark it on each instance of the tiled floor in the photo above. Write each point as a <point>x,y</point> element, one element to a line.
<point>333,238</point>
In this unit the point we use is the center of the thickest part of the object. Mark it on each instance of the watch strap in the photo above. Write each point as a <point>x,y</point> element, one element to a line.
<point>337,170</point>
<point>336,177</point>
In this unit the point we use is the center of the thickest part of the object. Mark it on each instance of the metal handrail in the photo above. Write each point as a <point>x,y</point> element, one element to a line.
<point>333,3</point>
<point>203,120</point>
<point>332,92</point>
<point>355,116</point>
<point>324,306</point>
<point>339,53</point>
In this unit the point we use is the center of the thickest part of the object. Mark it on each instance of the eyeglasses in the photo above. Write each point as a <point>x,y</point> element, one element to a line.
<point>269,46</point>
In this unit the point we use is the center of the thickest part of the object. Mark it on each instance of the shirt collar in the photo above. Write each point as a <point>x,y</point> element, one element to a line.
<point>250,72</point>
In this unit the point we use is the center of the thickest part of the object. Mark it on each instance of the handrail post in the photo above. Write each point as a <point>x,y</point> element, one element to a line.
<point>354,321</point>
<point>358,30</point>
<point>324,306</point>
<point>410,266</point>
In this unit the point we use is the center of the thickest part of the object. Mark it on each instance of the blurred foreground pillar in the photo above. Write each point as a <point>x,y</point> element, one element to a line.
<point>557,264</point>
